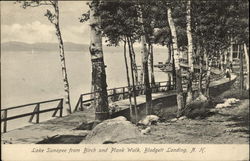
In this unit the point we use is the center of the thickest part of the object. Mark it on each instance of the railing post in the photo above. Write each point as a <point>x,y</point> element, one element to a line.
<point>158,86</point>
<point>5,121</point>
<point>37,113</point>
<point>114,95</point>
<point>81,106</point>
<point>34,113</point>
<point>61,107</point>
<point>123,92</point>
<point>169,85</point>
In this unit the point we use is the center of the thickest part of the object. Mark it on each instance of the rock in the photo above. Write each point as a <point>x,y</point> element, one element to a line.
<point>231,101</point>
<point>213,110</point>
<point>149,119</point>
<point>164,123</point>
<point>182,118</point>
<point>227,103</point>
<point>146,131</point>
<point>112,131</point>
<point>220,105</point>
<point>87,126</point>
<point>201,98</point>
<point>119,118</point>
<point>174,119</point>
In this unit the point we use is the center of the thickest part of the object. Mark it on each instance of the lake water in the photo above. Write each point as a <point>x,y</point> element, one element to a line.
<point>32,77</point>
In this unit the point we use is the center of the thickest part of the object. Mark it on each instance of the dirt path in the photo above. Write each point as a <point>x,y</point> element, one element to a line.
<point>225,126</point>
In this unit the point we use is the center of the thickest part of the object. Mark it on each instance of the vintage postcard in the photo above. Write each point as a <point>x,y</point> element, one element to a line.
<point>125,80</point>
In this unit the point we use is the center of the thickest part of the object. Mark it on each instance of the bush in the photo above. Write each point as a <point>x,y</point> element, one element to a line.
<point>235,93</point>
<point>198,109</point>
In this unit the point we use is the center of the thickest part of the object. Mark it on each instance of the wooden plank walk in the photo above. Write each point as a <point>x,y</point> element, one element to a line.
<point>65,125</point>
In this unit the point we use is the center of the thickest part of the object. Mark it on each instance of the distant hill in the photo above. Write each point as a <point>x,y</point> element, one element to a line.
<point>21,46</point>
<point>69,46</point>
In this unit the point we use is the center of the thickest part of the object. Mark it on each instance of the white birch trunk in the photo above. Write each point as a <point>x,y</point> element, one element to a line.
<point>98,66</point>
<point>190,54</point>
<point>221,61</point>
<point>145,54</point>
<point>66,110</point>
<point>231,51</point>
<point>180,99</point>
<point>247,64</point>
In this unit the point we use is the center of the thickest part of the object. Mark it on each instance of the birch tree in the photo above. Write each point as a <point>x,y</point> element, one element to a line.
<point>145,54</point>
<point>247,64</point>
<point>190,54</point>
<point>53,16</point>
<point>179,90</point>
<point>98,66</point>
<point>119,24</point>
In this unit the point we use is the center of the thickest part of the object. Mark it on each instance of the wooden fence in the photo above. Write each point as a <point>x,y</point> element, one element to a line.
<point>120,93</point>
<point>36,111</point>
<point>86,99</point>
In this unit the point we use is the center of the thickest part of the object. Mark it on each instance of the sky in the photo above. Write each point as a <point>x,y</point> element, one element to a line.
<point>31,26</point>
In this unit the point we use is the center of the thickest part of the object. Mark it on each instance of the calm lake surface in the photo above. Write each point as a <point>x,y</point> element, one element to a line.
<point>28,77</point>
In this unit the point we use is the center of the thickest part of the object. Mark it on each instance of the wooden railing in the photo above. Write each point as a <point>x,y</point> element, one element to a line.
<point>36,111</point>
<point>86,99</point>
<point>120,93</point>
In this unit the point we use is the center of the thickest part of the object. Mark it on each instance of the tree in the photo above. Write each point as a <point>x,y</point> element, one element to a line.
<point>145,54</point>
<point>128,79</point>
<point>53,17</point>
<point>119,24</point>
<point>179,90</point>
<point>238,22</point>
<point>98,66</point>
<point>190,54</point>
<point>151,61</point>
<point>247,64</point>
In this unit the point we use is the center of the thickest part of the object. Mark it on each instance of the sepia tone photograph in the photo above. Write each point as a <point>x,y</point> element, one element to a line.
<point>125,72</point>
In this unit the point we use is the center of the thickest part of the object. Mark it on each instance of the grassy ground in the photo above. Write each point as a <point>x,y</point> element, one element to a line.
<point>205,124</point>
<point>225,126</point>
<point>221,126</point>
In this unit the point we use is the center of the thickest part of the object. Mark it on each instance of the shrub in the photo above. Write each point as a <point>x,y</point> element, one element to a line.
<point>235,93</point>
<point>198,109</point>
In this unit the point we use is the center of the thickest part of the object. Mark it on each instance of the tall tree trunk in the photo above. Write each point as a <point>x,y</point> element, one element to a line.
<point>225,60</point>
<point>169,61</point>
<point>128,79</point>
<point>145,53</point>
<point>206,59</point>
<point>247,64</point>
<point>201,61</point>
<point>241,72</point>
<point>133,80</point>
<point>200,74</point>
<point>62,59</point>
<point>208,77</point>
<point>190,55</point>
<point>152,64</point>
<point>173,66</point>
<point>134,61</point>
<point>221,61</point>
<point>179,90</point>
<point>142,71</point>
<point>98,66</point>
<point>231,51</point>
<point>169,54</point>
